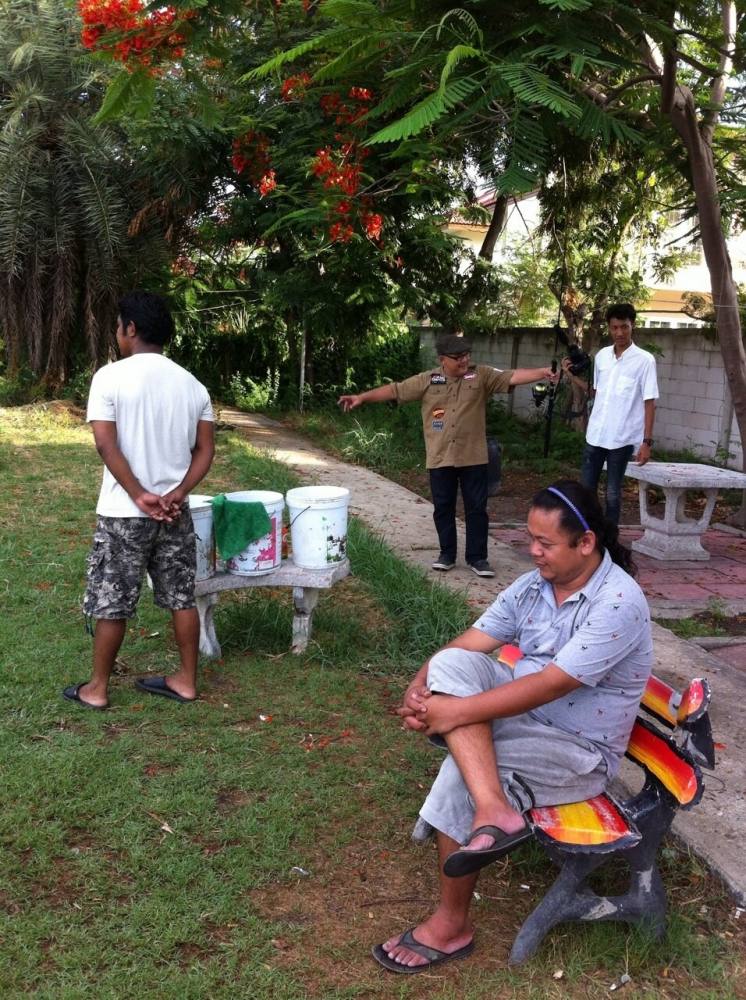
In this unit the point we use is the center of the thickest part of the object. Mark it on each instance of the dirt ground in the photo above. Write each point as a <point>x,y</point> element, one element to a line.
<point>518,485</point>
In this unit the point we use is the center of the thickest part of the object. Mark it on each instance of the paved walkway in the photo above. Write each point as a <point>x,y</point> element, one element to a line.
<point>715,829</point>
<point>677,589</point>
<point>681,588</point>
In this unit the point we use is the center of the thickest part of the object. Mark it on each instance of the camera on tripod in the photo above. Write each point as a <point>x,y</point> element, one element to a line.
<point>580,362</point>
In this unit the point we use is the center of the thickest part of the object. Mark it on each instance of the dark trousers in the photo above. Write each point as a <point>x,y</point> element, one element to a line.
<point>444,485</point>
<point>616,464</point>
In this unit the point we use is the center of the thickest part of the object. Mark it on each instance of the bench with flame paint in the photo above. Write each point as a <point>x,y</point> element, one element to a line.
<point>671,741</point>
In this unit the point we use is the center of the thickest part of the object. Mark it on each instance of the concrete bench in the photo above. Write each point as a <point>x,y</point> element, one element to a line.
<point>670,740</point>
<point>676,536</point>
<point>306,584</point>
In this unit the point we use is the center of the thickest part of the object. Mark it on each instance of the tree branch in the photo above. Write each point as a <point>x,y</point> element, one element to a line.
<point>725,68</point>
<point>613,94</point>
<point>497,223</point>
<point>668,86</point>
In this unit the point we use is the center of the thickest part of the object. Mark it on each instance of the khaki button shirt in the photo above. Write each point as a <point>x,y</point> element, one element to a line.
<point>453,412</point>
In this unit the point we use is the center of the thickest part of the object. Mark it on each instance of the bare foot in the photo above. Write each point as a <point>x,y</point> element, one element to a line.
<point>89,694</point>
<point>428,935</point>
<point>175,683</point>
<point>506,819</point>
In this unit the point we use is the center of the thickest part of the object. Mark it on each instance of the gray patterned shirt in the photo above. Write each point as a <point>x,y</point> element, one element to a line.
<point>600,635</point>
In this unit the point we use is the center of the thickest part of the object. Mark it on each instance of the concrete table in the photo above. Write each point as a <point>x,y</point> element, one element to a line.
<point>676,536</point>
<point>306,584</point>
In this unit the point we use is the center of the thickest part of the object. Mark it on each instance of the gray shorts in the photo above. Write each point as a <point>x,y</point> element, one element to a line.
<point>124,549</point>
<point>538,764</point>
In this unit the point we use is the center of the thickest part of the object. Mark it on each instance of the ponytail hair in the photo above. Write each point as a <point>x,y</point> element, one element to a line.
<point>579,512</point>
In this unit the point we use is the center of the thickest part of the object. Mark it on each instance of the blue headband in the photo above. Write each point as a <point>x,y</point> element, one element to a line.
<point>570,504</point>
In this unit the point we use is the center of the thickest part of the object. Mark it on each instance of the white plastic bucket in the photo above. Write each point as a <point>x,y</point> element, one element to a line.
<point>265,554</point>
<point>318,525</point>
<point>201,511</point>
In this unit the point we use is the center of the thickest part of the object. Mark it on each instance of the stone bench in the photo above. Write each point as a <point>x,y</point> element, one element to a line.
<point>306,584</point>
<point>676,536</point>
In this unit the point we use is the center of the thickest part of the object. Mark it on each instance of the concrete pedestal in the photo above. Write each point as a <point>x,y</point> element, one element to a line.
<point>676,536</point>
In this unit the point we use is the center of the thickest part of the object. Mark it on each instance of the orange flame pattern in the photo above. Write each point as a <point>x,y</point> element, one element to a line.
<point>591,823</point>
<point>657,755</point>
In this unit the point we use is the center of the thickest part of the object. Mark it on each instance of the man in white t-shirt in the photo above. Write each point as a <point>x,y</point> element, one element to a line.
<point>625,388</point>
<point>152,423</point>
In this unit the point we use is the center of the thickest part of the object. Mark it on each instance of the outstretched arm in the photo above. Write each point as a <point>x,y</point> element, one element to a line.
<point>524,376</point>
<point>381,394</point>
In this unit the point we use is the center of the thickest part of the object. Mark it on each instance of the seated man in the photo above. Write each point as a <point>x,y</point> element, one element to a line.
<point>551,730</point>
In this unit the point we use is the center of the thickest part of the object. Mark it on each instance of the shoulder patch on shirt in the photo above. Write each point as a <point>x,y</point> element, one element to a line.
<point>438,412</point>
<point>437,425</point>
<point>438,379</point>
<point>469,375</point>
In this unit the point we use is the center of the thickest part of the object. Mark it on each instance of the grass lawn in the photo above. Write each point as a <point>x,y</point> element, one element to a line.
<point>254,844</point>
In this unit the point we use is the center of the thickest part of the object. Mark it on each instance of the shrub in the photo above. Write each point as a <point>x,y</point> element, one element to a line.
<point>250,394</point>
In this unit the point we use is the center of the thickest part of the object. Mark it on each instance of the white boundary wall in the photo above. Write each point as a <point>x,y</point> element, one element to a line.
<point>694,398</point>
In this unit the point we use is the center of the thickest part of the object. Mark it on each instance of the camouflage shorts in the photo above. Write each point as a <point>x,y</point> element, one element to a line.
<point>124,548</point>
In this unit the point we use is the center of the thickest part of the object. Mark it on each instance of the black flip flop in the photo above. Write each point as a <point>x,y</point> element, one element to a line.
<point>433,955</point>
<point>463,862</point>
<point>157,685</point>
<point>72,693</point>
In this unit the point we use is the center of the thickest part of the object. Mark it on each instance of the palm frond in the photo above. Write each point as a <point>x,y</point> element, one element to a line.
<point>532,87</point>
<point>353,55</point>
<point>466,19</point>
<point>454,57</point>
<point>329,38</point>
<point>427,111</point>
<point>568,6</point>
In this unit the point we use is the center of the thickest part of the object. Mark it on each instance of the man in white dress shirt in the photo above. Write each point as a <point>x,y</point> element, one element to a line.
<point>625,388</point>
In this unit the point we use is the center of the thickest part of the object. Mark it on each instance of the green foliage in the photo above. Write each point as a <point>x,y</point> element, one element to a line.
<point>427,111</point>
<point>525,298</point>
<point>20,388</point>
<point>366,446</point>
<point>68,192</point>
<point>252,394</point>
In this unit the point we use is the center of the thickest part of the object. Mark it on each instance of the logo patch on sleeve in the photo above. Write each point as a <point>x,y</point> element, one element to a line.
<point>438,412</point>
<point>469,375</point>
<point>438,379</point>
<point>438,425</point>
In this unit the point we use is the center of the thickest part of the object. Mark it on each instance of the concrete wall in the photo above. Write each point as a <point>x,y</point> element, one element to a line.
<point>694,405</point>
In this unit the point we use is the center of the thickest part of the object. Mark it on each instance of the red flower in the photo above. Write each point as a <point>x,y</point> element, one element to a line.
<point>148,36</point>
<point>340,232</point>
<point>372,223</point>
<point>251,156</point>
<point>294,87</point>
<point>267,183</point>
<point>361,94</point>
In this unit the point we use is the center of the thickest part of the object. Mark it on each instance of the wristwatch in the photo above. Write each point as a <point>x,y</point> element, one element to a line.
<point>648,441</point>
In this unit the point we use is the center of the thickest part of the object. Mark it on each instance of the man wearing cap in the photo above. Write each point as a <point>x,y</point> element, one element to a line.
<point>453,399</point>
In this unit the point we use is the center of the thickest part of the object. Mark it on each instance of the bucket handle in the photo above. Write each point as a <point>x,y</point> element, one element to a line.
<point>298,515</point>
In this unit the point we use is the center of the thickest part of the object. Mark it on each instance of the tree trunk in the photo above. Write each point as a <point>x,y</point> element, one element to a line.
<point>724,294</point>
